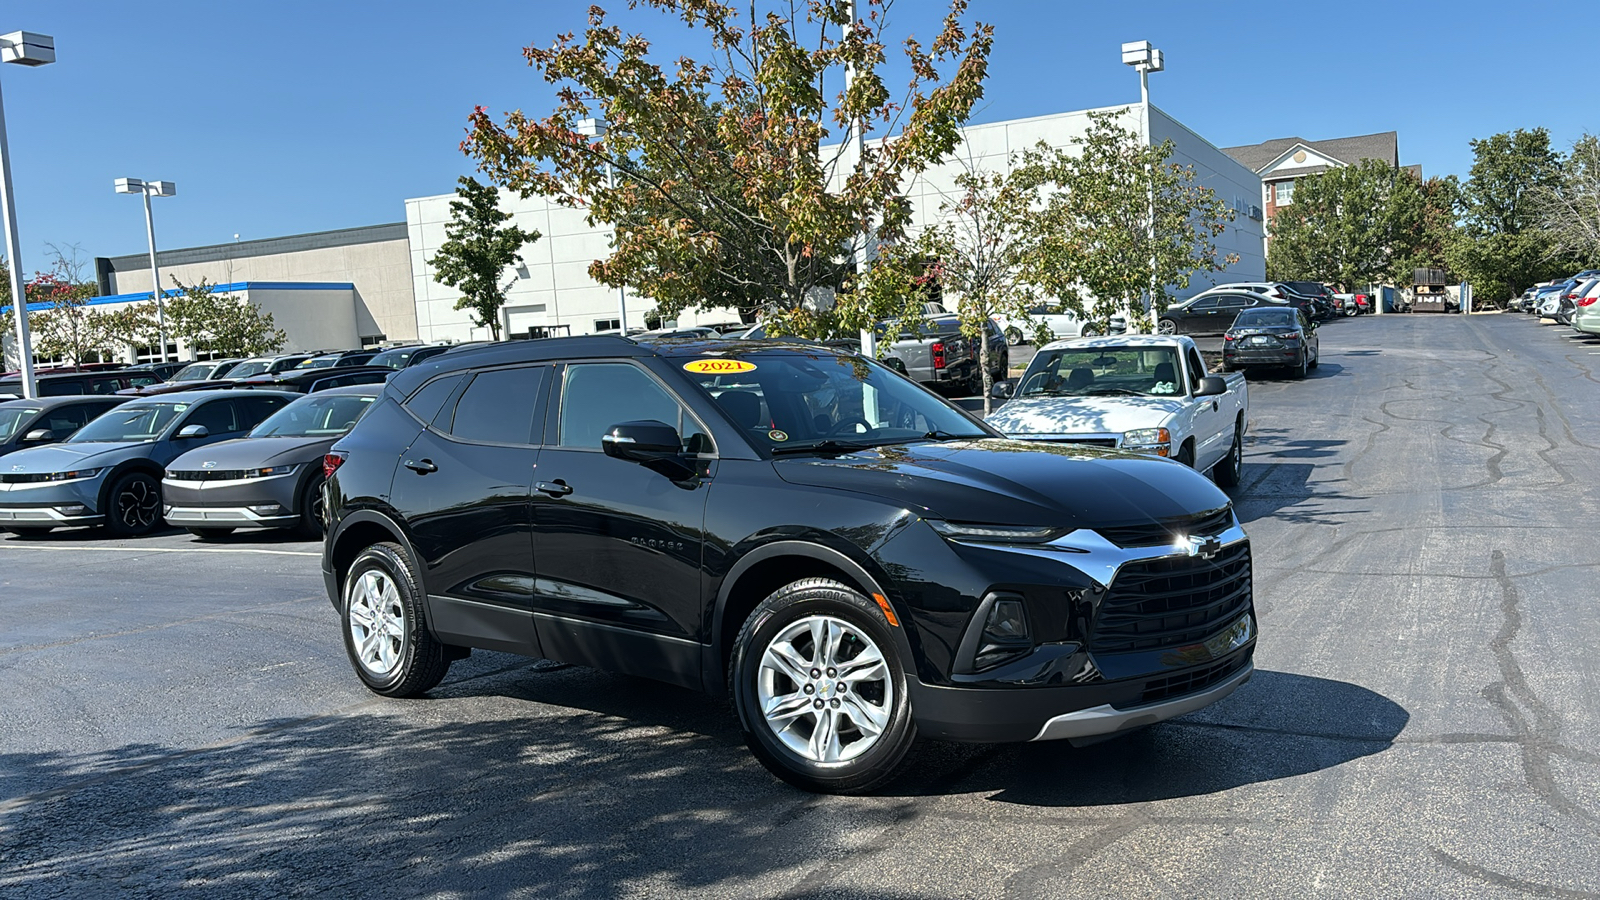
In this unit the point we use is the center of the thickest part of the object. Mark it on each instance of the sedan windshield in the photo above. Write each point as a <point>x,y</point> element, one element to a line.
<point>394,359</point>
<point>200,371</point>
<point>246,369</point>
<point>12,419</point>
<point>793,401</point>
<point>318,362</point>
<point>319,415</point>
<point>1088,371</point>
<point>141,422</point>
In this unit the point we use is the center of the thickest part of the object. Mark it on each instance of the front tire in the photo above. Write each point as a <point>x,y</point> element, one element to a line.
<point>1226,473</point>
<point>310,526</point>
<point>820,689</point>
<point>384,633</point>
<point>1186,454</point>
<point>133,505</point>
<point>1166,326</point>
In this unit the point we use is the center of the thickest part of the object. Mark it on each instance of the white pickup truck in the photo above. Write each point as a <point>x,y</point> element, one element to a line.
<point>1148,394</point>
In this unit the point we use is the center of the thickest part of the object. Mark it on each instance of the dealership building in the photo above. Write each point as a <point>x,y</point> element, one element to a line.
<point>372,285</point>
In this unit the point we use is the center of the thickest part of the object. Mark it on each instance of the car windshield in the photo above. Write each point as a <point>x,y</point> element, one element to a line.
<point>319,415</point>
<point>200,371</point>
<point>1265,318</point>
<point>793,401</point>
<point>320,362</point>
<point>12,418</point>
<point>253,367</point>
<point>134,422</point>
<point>394,359</point>
<point>1088,371</point>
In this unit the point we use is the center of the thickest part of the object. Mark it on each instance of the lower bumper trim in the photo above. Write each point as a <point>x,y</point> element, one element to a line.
<point>237,516</point>
<point>45,516</point>
<point>1107,719</point>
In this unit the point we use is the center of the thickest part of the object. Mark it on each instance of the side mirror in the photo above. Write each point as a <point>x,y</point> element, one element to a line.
<point>641,441</point>
<point>1003,390</point>
<point>38,436</point>
<point>193,431</point>
<point>1211,386</point>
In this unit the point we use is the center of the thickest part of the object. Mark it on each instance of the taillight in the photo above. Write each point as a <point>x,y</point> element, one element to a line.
<point>1587,301</point>
<point>1227,337</point>
<point>331,462</point>
<point>938,354</point>
<point>1572,296</point>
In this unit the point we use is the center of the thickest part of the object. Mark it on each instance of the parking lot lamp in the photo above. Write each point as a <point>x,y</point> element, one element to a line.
<point>1142,56</point>
<point>152,189</point>
<point>25,49</point>
<point>597,127</point>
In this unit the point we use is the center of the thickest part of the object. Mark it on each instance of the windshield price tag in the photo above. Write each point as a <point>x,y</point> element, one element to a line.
<point>718,366</point>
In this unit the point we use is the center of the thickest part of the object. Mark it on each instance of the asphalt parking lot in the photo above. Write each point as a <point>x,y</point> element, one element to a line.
<point>181,719</point>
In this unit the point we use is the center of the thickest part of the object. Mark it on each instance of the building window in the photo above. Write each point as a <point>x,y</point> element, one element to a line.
<point>607,324</point>
<point>152,354</point>
<point>373,340</point>
<point>1283,193</point>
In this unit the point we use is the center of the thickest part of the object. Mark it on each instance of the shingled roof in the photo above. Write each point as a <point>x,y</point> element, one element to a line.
<point>1385,145</point>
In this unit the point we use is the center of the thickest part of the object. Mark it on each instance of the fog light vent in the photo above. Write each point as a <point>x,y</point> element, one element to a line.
<point>1005,633</point>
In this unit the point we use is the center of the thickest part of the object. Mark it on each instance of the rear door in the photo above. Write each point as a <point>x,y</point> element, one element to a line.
<point>462,491</point>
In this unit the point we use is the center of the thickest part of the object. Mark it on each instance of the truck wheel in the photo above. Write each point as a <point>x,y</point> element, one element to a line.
<point>384,633</point>
<point>821,690</point>
<point>975,381</point>
<point>1226,472</point>
<point>1186,454</point>
<point>1013,336</point>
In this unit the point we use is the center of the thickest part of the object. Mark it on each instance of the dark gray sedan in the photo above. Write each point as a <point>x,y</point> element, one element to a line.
<point>272,477</point>
<point>47,420</point>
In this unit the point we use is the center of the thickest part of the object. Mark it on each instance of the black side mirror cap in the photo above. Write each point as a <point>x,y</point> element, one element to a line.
<point>38,435</point>
<point>1211,386</point>
<point>1003,390</point>
<point>193,431</point>
<point>641,441</point>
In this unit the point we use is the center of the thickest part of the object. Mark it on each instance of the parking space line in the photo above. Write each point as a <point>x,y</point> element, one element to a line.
<point>10,546</point>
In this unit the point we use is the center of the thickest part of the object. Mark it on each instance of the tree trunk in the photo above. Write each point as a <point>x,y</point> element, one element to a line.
<point>983,363</point>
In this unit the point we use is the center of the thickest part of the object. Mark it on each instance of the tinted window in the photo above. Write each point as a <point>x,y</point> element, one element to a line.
<point>134,381</point>
<point>497,407</point>
<point>596,396</point>
<point>245,370</point>
<point>1203,304</point>
<point>1197,370</point>
<point>12,419</point>
<point>64,420</point>
<point>1232,301</point>
<point>218,417</point>
<point>1267,316</point>
<point>255,410</point>
<point>427,401</point>
<point>133,422</point>
<point>59,388</point>
<point>320,415</point>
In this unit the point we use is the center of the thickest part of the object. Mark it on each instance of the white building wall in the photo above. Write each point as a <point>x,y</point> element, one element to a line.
<point>1235,186</point>
<point>312,319</point>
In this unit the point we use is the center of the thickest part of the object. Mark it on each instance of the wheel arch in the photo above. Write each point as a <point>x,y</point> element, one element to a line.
<point>139,464</point>
<point>361,529</point>
<point>765,569</point>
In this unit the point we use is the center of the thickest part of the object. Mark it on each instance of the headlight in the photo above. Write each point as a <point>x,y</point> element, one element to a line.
<point>269,472</point>
<point>1005,534</point>
<point>1148,440</point>
<point>68,476</point>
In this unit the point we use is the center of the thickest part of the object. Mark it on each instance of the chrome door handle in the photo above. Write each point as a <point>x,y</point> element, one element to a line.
<point>556,488</point>
<point>421,466</point>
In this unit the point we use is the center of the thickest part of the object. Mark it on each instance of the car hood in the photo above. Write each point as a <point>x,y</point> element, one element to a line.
<point>254,453</point>
<point>67,457</point>
<point>1015,482</point>
<point>1083,415</point>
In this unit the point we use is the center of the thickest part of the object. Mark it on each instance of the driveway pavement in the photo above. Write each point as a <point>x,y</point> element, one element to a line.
<point>180,719</point>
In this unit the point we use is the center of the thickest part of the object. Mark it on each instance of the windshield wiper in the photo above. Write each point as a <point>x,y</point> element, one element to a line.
<point>824,446</point>
<point>937,435</point>
<point>1117,391</point>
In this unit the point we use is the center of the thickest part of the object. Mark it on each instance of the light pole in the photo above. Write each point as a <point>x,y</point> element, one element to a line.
<point>597,127</point>
<point>25,49</point>
<point>1142,56</point>
<point>152,189</point>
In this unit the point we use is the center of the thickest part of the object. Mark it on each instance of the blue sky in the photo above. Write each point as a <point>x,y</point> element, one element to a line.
<point>284,116</point>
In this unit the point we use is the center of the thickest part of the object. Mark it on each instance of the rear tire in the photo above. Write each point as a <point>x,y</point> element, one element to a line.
<point>1299,369</point>
<point>385,636</point>
<point>133,505</point>
<point>1316,357</point>
<point>804,727</point>
<point>1166,326</point>
<point>210,534</point>
<point>1013,336</point>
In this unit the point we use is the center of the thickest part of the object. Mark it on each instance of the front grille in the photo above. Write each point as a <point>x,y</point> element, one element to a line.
<point>207,475</point>
<point>1164,533</point>
<point>1173,601</point>
<point>1190,682</point>
<point>25,479</point>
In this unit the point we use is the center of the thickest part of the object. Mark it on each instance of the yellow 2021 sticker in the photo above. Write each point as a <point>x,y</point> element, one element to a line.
<point>718,366</point>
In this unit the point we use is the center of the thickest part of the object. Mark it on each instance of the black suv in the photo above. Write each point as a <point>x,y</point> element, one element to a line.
<point>855,560</point>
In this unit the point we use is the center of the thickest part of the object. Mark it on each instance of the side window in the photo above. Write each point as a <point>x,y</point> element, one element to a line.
<point>218,416</point>
<point>429,399</point>
<point>110,385</point>
<point>498,406</point>
<point>255,410</point>
<point>133,381</point>
<point>1197,370</point>
<point>596,396</point>
<point>1204,304</point>
<point>58,388</point>
<point>64,420</point>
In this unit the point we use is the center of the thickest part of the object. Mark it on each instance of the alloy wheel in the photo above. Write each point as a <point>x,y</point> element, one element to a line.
<point>377,622</point>
<point>139,505</point>
<point>825,689</point>
<point>1167,326</point>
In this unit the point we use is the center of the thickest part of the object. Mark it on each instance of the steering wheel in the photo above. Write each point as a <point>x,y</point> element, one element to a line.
<point>839,425</point>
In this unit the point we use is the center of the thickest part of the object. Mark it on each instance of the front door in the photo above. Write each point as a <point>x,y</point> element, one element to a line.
<point>619,546</point>
<point>462,488</point>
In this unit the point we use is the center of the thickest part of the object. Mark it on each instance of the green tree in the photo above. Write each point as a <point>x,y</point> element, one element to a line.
<point>1093,232</point>
<point>1501,249</point>
<point>725,193</point>
<point>478,249</point>
<point>979,251</point>
<point>1358,225</point>
<point>215,322</point>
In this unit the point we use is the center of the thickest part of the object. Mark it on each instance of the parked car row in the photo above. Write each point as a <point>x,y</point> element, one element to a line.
<point>1573,301</point>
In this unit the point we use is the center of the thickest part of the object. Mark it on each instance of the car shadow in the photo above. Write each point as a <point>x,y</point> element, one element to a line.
<point>84,535</point>
<point>1275,375</point>
<point>1278,725</point>
<point>607,782</point>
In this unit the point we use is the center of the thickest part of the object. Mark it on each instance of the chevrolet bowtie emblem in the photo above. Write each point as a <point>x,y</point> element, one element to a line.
<point>1203,547</point>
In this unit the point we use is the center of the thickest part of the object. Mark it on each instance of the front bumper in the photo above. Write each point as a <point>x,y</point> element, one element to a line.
<point>233,503</point>
<point>53,504</point>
